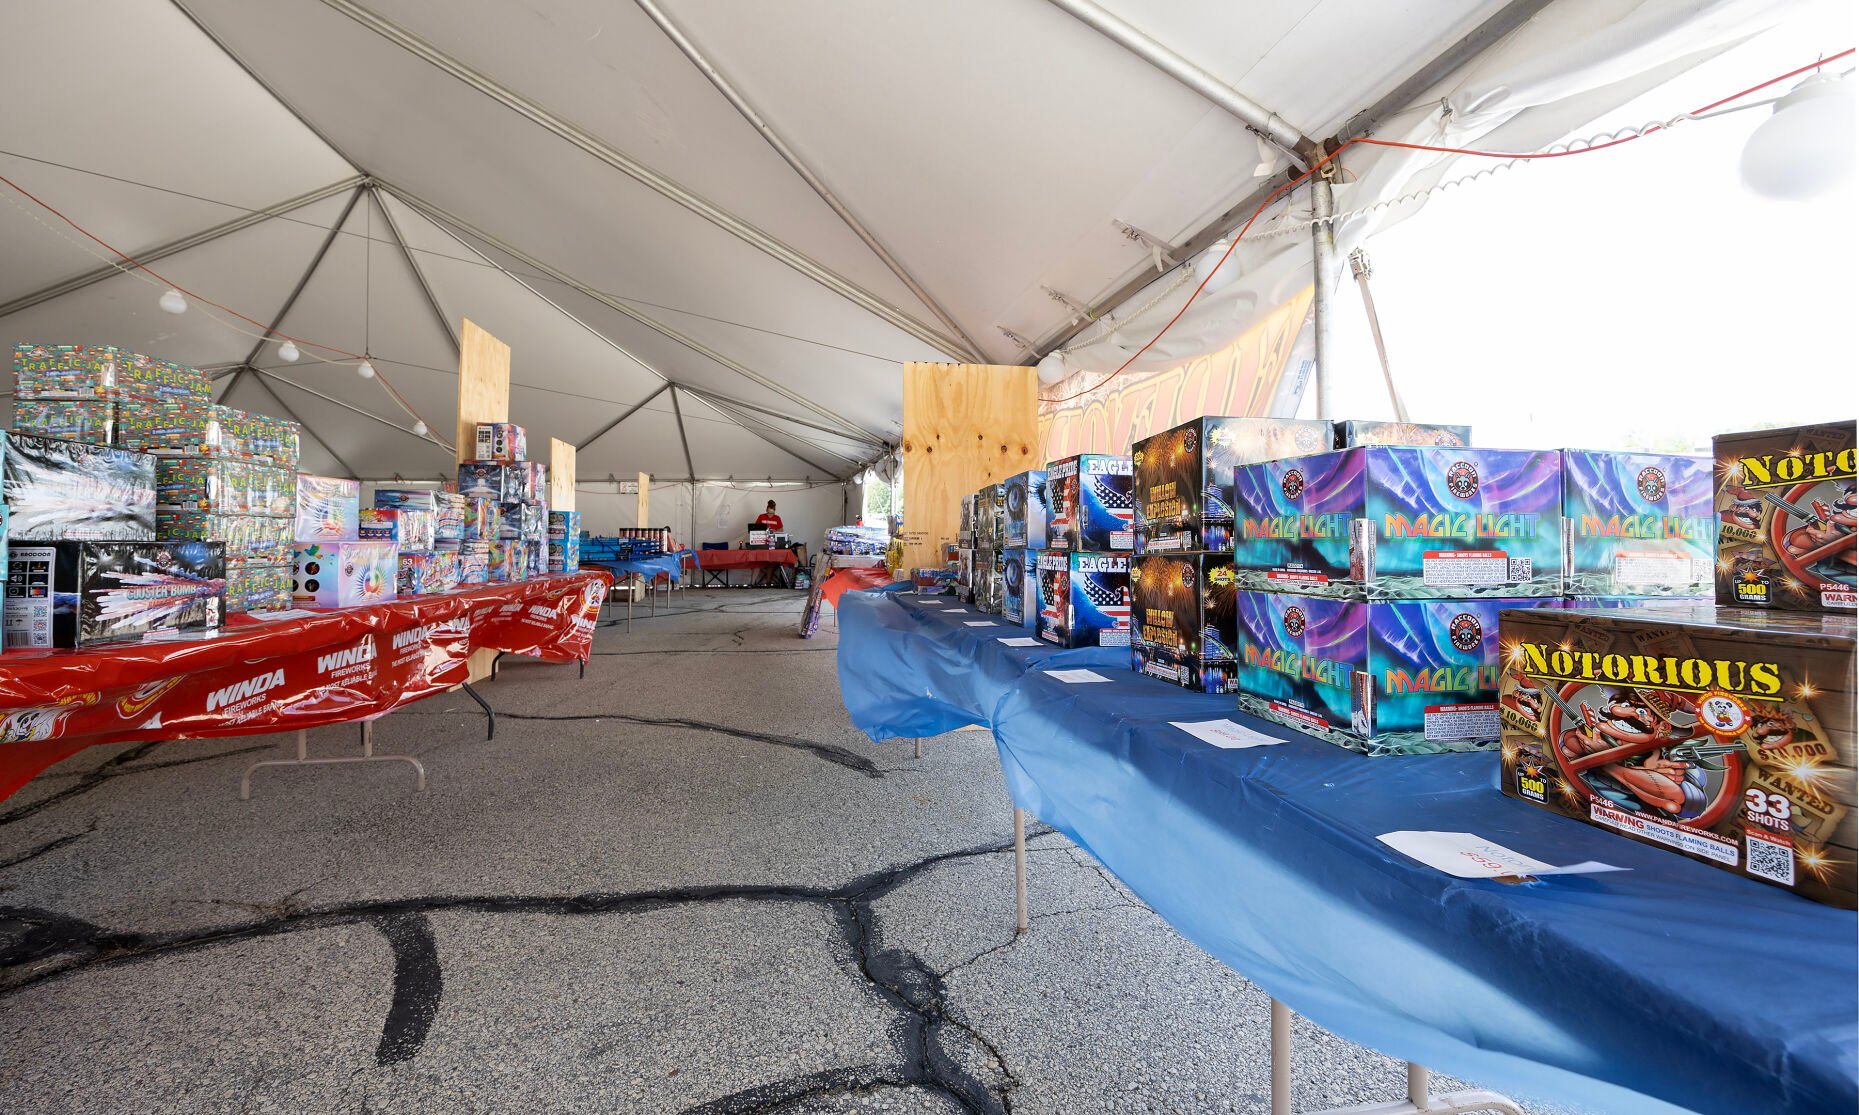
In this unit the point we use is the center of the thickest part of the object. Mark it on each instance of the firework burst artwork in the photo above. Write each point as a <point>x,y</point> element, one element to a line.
<point>69,490</point>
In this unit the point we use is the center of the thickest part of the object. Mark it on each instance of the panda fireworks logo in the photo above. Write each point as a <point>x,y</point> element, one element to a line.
<point>1188,441</point>
<point>1293,483</point>
<point>1294,621</point>
<point>1187,576</point>
<point>1651,483</point>
<point>1466,633</point>
<point>1462,479</point>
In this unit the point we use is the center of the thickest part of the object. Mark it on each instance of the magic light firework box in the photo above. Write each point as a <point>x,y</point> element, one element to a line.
<point>1020,587</point>
<point>1092,503</point>
<point>1181,621</point>
<point>328,508</point>
<point>1725,734</point>
<point>1399,677</point>
<point>1636,524</point>
<point>1351,433</point>
<point>1083,599</point>
<point>345,574</point>
<point>1183,478</point>
<point>73,594</point>
<point>1024,511</point>
<point>1786,513</point>
<point>66,489</point>
<point>1397,523</point>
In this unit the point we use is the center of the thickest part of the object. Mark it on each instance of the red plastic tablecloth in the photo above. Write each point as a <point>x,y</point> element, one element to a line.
<point>257,676</point>
<point>842,581</point>
<point>744,559</point>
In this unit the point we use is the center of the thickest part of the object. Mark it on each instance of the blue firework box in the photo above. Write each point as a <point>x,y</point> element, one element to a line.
<point>1025,509</point>
<point>58,490</point>
<point>1402,523</point>
<point>1181,622</point>
<point>1092,503</point>
<point>1397,677</point>
<point>1637,524</point>
<point>1084,599</point>
<point>1020,587</point>
<point>1183,478</point>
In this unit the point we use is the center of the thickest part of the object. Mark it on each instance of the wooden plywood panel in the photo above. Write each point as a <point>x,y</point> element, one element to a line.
<point>965,425</point>
<point>645,501</point>
<point>561,475</point>
<point>483,383</point>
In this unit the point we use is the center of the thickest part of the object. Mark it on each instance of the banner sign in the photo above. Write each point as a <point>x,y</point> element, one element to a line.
<point>260,675</point>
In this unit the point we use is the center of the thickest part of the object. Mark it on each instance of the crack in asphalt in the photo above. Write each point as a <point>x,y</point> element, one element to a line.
<point>115,767</point>
<point>49,846</point>
<point>839,756</point>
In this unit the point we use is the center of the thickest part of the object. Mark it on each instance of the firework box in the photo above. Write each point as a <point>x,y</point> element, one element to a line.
<point>500,441</point>
<point>500,561</point>
<point>483,520</point>
<point>1183,478</point>
<point>990,585</point>
<point>166,425</point>
<point>990,516</point>
<point>150,378</point>
<point>1786,513</point>
<point>564,541</point>
<point>224,486</point>
<point>1092,503</point>
<point>260,539</point>
<point>473,563</point>
<point>1351,433</point>
<point>533,481</point>
<point>1636,524</point>
<point>1020,587</point>
<point>86,420</point>
<point>257,588</point>
<point>328,508</point>
<point>398,499</point>
<point>1181,619</point>
<point>1083,599</point>
<point>377,524</point>
<point>65,371</point>
<point>344,574</point>
<point>253,437</point>
<point>500,483</point>
<point>1402,523</point>
<point>74,594</point>
<point>1725,734</point>
<point>417,574</point>
<point>1394,677</point>
<point>1024,510</point>
<point>965,534</point>
<point>70,490</point>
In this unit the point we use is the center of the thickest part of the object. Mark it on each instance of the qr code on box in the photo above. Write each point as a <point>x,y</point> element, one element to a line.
<point>1771,861</point>
<point>1521,568</point>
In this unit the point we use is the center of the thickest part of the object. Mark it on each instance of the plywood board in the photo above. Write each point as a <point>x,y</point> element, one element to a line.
<point>483,383</point>
<point>561,475</point>
<point>645,501</point>
<point>965,425</point>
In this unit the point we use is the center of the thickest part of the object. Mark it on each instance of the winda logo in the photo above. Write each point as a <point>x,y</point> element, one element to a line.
<point>242,690</point>
<point>342,659</point>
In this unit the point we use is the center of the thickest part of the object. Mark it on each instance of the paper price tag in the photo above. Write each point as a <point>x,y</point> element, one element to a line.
<point>980,623</point>
<point>1076,677</point>
<point>1467,855</point>
<point>1225,733</point>
<point>1020,642</point>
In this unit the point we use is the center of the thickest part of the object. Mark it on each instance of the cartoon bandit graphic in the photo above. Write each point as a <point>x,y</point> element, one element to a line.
<point>1644,751</point>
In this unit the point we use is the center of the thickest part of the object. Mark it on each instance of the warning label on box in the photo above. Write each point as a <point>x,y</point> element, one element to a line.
<point>1672,836</point>
<point>1465,567</point>
<point>1470,721</point>
<point>1655,567</point>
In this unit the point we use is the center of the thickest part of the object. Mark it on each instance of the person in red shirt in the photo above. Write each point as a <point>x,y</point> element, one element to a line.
<point>768,520</point>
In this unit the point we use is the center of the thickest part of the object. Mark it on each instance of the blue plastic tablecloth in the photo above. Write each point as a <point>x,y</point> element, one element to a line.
<point>649,568</point>
<point>1668,986</point>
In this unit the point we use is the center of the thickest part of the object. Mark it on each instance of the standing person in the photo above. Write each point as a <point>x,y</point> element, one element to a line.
<point>768,520</point>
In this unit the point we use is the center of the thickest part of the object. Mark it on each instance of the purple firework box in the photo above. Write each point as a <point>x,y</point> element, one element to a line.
<point>1398,677</point>
<point>1637,524</point>
<point>1402,523</point>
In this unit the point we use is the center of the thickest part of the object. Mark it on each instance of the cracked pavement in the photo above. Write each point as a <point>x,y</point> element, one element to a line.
<point>682,884</point>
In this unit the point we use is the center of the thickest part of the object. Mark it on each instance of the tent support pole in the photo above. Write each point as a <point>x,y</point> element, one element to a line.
<point>677,412</point>
<point>419,276</point>
<point>303,280</point>
<point>630,411</point>
<point>1323,267</point>
<point>1359,265</point>
<point>718,396</point>
<point>757,428</point>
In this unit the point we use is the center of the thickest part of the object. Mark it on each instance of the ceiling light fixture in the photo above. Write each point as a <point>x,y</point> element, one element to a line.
<point>173,302</point>
<point>1805,148</point>
<point>288,353</point>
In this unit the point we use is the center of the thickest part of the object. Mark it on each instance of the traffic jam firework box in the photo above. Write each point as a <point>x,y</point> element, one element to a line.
<point>1636,524</point>
<point>1351,433</point>
<point>1020,587</point>
<point>75,594</point>
<point>86,420</point>
<point>1092,503</point>
<point>1084,599</point>
<point>1396,523</point>
<point>1181,620</point>
<point>1785,508</point>
<point>1025,510</point>
<point>345,574</point>
<point>328,508</point>
<point>500,441</point>
<point>65,371</point>
<point>1722,733</point>
<point>1183,478</point>
<point>1402,677</point>
<point>69,490</point>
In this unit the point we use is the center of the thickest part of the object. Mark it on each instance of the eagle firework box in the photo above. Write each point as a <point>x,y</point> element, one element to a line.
<point>1025,511</point>
<point>1092,503</point>
<point>1183,478</point>
<point>345,574</point>
<point>67,489</point>
<point>1786,515</point>
<point>500,441</point>
<point>65,371</point>
<point>1397,523</point>
<point>87,420</point>
<point>328,508</point>
<point>1181,619</point>
<point>1399,677</point>
<point>1636,524</point>
<point>1020,587</point>
<point>1725,734</point>
<point>1351,433</point>
<point>72,594</point>
<point>1084,599</point>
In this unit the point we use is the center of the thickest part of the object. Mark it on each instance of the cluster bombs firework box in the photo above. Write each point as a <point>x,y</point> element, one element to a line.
<point>1181,620</point>
<point>1636,524</point>
<point>1402,523</point>
<point>1083,599</point>
<point>342,574</point>
<point>1019,587</point>
<point>1786,512</point>
<point>1092,503</point>
<point>75,594</point>
<point>1725,734</point>
<point>1351,433</point>
<point>1024,509</point>
<point>328,508</point>
<point>1183,478</point>
<point>69,490</point>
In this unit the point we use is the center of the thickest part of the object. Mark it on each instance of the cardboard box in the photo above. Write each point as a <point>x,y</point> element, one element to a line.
<point>1351,433</point>
<point>1020,587</point>
<point>1024,511</point>
<point>328,508</point>
<point>65,371</point>
<point>965,532</point>
<point>473,563</point>
<point>419,499</point>
<point>345,574</point>
<point>1786,513</point>
<point>990,583</point>
<point>564,541</point>
<point>1181,621</point>
<point>1084,599</point>
<point>1092,503</point>
<point>1727,734</point>
<point>252,437</point>
<point>260,539</point>
<point>990,516</point>
<point>75,594</point>
<point>69,490</point>
<point>226,486</point>
<point>184,425</point>
<point>1396,523</point>
<point>1400,677</point>
<point>87,420</point>
<point>1183,477</point>
<point>1636,524</point>
<point>257,588</point>
<point>500,441</point>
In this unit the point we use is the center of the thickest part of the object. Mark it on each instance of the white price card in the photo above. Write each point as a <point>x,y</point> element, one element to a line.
<point>1470,856</point>
<point>1021,642</point>
<point>980,623</point>
<point>1225,733</point>
<point>289,613</point>
<point>954,611</point>
<point>1076,677</point>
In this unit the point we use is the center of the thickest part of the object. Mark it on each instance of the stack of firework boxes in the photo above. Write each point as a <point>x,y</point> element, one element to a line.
<point>979,579</point>
<point>507,510</point>
<point>336,566</point>
<point>1078,588</point>
<point>429,527</point>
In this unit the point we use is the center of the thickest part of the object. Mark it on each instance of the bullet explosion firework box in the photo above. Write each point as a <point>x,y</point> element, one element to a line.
<point>1351,433</point>
<point>1786,513</point>
<point>1181,619</point>
<point>1636,524</point>
<point>87,420</point>
<point>69,490</point>
<point>328,508</point>
<point>341,574</point>
<point>1025,509</point>
<point>1725,734</point>
<point>1396,523</point>
<point>1403,677</point>
<point>500,441</point>
<point>1083,599</point>
<point>1020,587</point>
<point>990,583</point>
<point>73,594</point>
<point>1092,503</point>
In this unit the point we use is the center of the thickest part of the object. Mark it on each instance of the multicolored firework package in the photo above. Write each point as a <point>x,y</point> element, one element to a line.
<point>1786,511</point>
<point>73,594</point>
<point>1181,619</point>
<point>257,588</point>
<point>1025,510</point>
<point>990,582</point>
<point>564,541</point>
<point>1351,433</point>
<point>65,371</point>
<point>66,489</point>
<point>1020,587</point>
<point>1083,599</point>
<point>501,483</point>
<point>1092,503</point>
<point>1636,524</point>
<point>500,441</point>
<point>86,420</point>
<point>345,574</point>
<point>328,508</point>
<point>990,516</point>
<point>1184,476</point>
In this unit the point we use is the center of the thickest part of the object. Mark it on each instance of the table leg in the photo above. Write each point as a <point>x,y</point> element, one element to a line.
<point>1019,871</point>
<point>1418,1101</point>
<point>303,760</point>
<point>1281,1058</point>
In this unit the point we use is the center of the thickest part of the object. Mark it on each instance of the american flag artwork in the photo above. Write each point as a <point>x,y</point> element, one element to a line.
<point>1107,595</point>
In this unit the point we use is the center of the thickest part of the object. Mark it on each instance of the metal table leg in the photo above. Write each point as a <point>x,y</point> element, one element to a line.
<point>303,760</point>
<point>490,714</point>
<point>1418,1101</point>
<point>1019,871</point>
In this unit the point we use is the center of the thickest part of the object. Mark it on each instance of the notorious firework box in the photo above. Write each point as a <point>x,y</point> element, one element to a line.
<point>65,371</point>
<point>1083,599</point>
<point>501,483</point>
<point>1722,733</point>
<point>1401,523</point>
<point>500,441</point>
<point>1636,524</point>
<point>345,574</point>
<point>72,594</point>
<point>1092,505</point>
<point>1024,509</point>
<point>1181,620</point>
<point>1183,478</point>
<point>328,508</point>
<point>1786,513</point>
<point>66,489</point>
<point>1399,677</point>
<point>86,420</point>
<point>501,561</point>
<point>1020,587</point>
<point>1351,433</point>
<point>483,520</point>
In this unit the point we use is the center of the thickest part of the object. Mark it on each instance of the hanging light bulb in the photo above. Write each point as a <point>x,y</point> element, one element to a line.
<point>1052,368</point>
<point>365,370</point>
<point>288,353</point>
<point>1207,261</point>
<point>173,302</point>
<point>419,428</point>
<point>1806,148</point>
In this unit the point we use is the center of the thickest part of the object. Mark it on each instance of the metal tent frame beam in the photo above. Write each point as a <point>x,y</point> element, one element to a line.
<point>630,411</point>
<point>761,430</point>
<point>677,413</point>
<point>303,281</point>
<point>259,378</point>
<point>348,406</point>
<point>419,276</point>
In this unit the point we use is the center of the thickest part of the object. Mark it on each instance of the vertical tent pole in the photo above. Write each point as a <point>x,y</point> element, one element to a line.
<point>1281,1059</point>
<point>1323,258</point>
